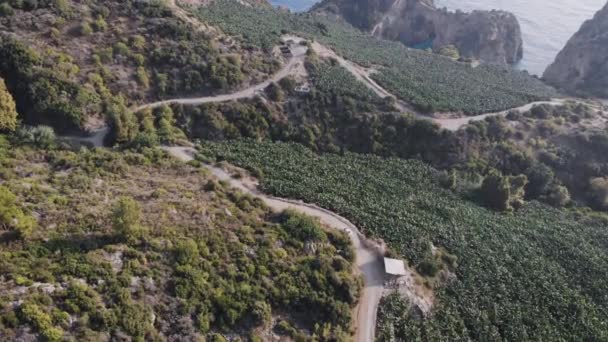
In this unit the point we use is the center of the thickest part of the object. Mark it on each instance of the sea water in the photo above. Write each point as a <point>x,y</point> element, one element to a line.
<point>546,24</point>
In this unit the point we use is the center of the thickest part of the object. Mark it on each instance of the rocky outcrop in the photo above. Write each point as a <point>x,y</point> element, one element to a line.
<point>491,36</point>
<point>582,66</point>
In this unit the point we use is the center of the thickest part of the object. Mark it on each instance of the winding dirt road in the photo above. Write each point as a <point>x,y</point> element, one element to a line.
<point>299,53</point>
<point>368,258</point>
<point>457,123</point>
<point>360,73</point>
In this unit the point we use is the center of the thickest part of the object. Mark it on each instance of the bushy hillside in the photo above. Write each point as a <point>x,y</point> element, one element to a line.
<point>535,274</point>
<point>100,245</point>
<point>64,60</point>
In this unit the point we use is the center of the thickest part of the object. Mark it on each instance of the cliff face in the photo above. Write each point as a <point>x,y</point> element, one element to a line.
<point>582,66</point>
<point>493,36</point>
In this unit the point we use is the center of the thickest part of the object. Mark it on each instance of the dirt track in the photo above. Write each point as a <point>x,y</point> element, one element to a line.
<point>299,54</point>
<point>369,260</point>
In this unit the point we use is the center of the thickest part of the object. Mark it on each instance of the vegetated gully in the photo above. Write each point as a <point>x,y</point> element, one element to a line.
<point>368,254</point>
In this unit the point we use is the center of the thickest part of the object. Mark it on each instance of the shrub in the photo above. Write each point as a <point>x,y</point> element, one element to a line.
<point>34,315</point>
<point>429,268</point>
<point>138,42</point>
<point>39,136</point>
<point>301,226</point>
<point>12,216</point>
<point>261,313</point>
<point>139,59</point>
<point>62,7</point>
<point>100,24</point>
<point>55,33</point>
<point>449,51</point>
<point>142,77</point>
<point>121,49</point>
<point>85,29</point>
<point>186,252</point>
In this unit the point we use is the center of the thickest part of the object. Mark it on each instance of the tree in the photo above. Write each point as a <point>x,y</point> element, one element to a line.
<point>261,313</point>
<point>598,193</point>
<point>495,191</point>
<point>167,132</point>
<point>558,196</point>
<point>123,122</point>
<point>503,193</point>
<point>302,227</point>
<point>517,190</point>
<point>126,217</point>
<point>275,93</point>
<point>8,109</point>
<point>540,177</point>
<point>6,10</point>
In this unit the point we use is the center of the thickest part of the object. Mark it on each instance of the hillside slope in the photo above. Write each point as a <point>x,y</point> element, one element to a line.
<point>66,61</point>
<point>102,246</point>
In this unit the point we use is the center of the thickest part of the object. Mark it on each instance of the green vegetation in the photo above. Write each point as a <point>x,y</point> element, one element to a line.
<point>12,216</point>
<point>43,95</point>
<point>331,78</point>
<point>430,82</point>
<point>126,219</point>
<point>534,274</point>
<point>211,263</point>
<point>449,51</point>
<point>503,193</point>
<point>138,50</point>
<point>8,109</point>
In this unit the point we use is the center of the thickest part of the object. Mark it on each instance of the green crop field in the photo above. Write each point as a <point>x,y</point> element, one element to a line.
<point>337,80</point>
<point>537,274</point>
<point>428,81</point>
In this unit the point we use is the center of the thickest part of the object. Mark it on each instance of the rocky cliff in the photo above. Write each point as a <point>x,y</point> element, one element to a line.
<point>493,36</point>
<point>582,66</point>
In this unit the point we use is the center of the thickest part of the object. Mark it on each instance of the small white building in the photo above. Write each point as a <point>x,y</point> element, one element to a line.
<point>394,267</point>
<point>302,89</point>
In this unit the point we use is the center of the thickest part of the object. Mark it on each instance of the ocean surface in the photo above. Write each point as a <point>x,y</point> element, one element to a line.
<point>546,24</point>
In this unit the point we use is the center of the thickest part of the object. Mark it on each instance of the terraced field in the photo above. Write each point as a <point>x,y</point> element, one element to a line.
<point>536,274</point>
<point>429,82</point>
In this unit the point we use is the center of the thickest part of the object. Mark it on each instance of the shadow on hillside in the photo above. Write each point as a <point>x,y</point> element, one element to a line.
<point>80,243</point>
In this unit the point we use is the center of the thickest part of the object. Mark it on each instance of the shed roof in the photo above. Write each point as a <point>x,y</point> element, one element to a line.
<point>394,266</point>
